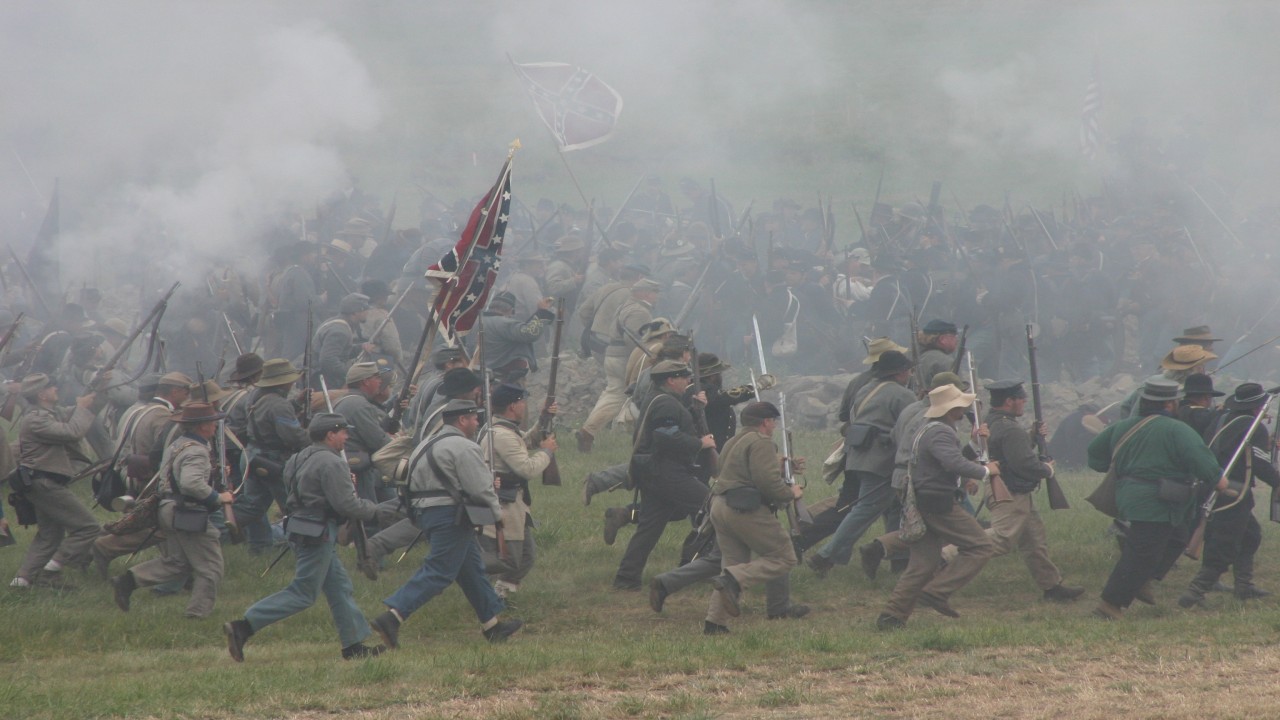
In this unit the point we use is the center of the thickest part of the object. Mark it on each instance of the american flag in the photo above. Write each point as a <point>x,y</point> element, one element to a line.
<point>468,272</point>
<point>578,108</point>
<point>1090,138</point>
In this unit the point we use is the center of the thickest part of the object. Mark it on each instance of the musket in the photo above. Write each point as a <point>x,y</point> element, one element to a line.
<point>1197,250</point>
<point>797,514</point>
<point>229,515</point>
<point>391,219</point>
<point>1199,197</point>
<point>231,331</point>
<point>917,372</point>
<point>960,351</point>
<point>999,491</point>
<point>700,413</point>
<point>357,526</point>
<point>1243,355</point>
<point>742,220</point>
<point>1196,543</point>
<point>307,360</point>
<point>631,335</point>
<point>546,420</point>
<point>1057,498</point>
<point>693,295</point>
<point>377,332</point>
<point>861,227</point>
<point>478,362</point>
<point>397,410</point>
<point>9,335</point>
<point>1045,229</point>
<point>520,250</point>
<point>716,230</point>
<point>618,213</point>
<point>26,276</point>
<point>152,319</point>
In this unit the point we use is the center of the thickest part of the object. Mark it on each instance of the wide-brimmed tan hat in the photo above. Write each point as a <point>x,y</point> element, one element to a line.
<point>276,372</point>
<point>215,391</point>
<point>945,398</point>
<point>1185,357</point>
<point>200,412</point>
<point>878,347</point>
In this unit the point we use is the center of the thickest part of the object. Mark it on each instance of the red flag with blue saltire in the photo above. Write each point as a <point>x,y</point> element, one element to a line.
<point>469,271</point>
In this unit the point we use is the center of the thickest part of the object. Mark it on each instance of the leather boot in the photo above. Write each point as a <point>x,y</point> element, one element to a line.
<point>1107,611</point>
<point>1200,586</point>
<point>1245,589</point>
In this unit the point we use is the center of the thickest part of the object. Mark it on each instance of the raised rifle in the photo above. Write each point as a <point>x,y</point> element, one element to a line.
<point>151,320</point>
<point>716,230</point>
<point>546,426</point>
<point>960,351</point>
<point>1057,498</point>
<point>917,372</point>
<point>477,361</point>
<point>307,361</point>
<point>231,331</point>
<point>693,295</point>
<point>700,413</point>
<point>357,526</point>
<point>1196,544</point>
<point>397,410</point>
<point>26,277</point>
<point>999,491</point>
<point>618,213</point>
<point>222,484</point>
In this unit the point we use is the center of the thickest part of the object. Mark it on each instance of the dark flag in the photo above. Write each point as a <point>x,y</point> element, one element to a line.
<point>1090,138</point>
<point>468,272</point>
<point>42,259</point>
<point>575,105</point>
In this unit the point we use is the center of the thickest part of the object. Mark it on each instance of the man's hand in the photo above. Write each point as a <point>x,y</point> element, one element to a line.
<point>797,492</point>
<point>552,409</point>
<point>971,486</point>
<point>549,444</point>
<point>766,381</point>
<point>369,347</point>
<point>993,467</point>
<point>546,303</point>
<point>1042,430</point>
<point>708,441</point>
<point>226,498</point>
<point>797,466</point>
<point>701,397</point>
<point>86,401</point>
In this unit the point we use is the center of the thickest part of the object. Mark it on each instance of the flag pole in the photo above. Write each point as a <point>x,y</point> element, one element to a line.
<point>578,186</point>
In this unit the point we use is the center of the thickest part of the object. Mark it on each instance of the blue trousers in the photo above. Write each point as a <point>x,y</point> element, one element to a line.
<point>318,570</point>
<point>454,557</point>
<point>875,495</point>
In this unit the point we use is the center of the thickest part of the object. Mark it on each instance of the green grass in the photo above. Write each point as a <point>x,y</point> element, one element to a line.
<point>590,652</point>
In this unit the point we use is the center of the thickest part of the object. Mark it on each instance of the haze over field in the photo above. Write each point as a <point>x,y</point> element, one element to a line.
<point>197,123</point>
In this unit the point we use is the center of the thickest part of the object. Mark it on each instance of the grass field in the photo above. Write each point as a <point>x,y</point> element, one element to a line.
<point>590,652</point>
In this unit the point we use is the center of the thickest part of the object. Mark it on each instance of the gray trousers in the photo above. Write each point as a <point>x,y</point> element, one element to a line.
<point>392,537</point>
<point>64,528</point>
<point>611,478</point>
<point>198,554</point>
<point>707,565</point>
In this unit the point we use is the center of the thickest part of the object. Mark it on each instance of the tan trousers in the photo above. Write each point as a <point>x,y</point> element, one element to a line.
<point>975,549</point>
<point>114,546</point>
<point>1017,524</point>
<point>754,549</point>
<point>186,553</point>
<point>613,397</point>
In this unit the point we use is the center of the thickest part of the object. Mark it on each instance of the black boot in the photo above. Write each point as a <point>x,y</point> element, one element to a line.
<point>122,587</point>
<point>1200,586</point>
<point>1245,589</point>
<point>238,633</point>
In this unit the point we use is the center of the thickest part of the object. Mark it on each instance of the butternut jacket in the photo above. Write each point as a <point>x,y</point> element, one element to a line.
<point>750,459</point>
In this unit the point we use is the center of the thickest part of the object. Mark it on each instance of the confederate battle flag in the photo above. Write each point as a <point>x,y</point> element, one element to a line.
<point>576,106</point>
<point>468,272</point>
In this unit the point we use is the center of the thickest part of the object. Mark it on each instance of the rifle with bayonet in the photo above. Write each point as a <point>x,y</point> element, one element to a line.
<point>1057,498</point>
<point>1196,544</point>
<point>477,363</point>
<point>692,300</point>
<point>999,491</point>
<point>699,410</point>
<point>797,514</point>
<point>223,482</point>
<point>546,426</point>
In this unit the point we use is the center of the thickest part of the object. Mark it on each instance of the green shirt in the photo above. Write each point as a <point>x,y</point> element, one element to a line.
<point>1163,448</point>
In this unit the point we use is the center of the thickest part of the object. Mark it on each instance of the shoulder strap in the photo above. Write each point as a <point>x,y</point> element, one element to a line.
<point>1129,434</point>
<point>915,444</point>
<point>862,405</point>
